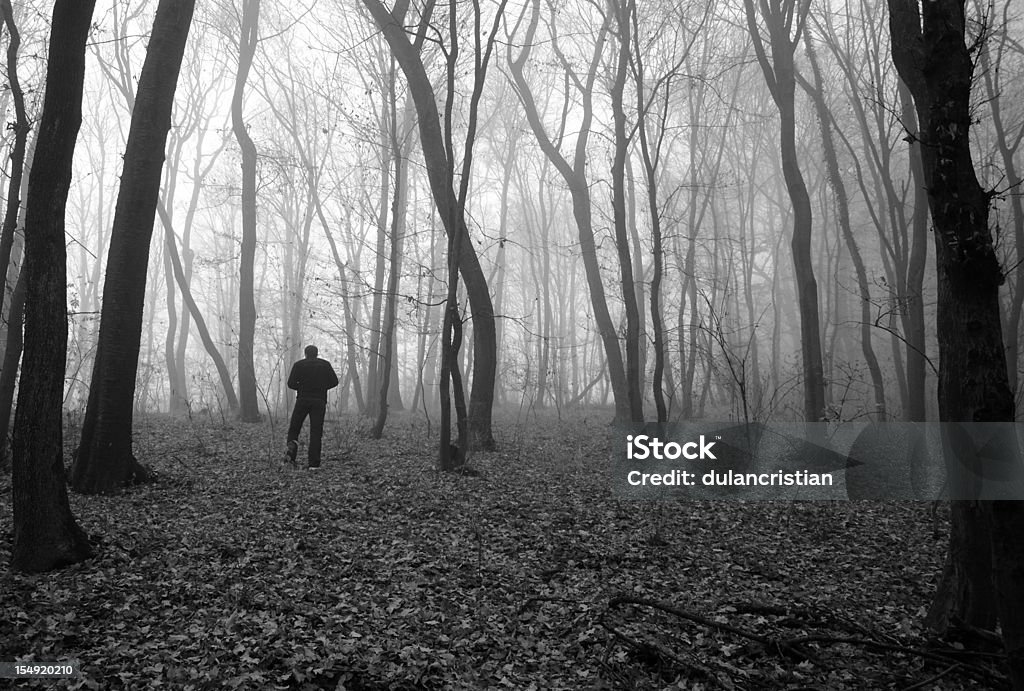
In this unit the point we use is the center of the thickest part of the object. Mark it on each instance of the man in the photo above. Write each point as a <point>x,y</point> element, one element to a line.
<point>311,378</point>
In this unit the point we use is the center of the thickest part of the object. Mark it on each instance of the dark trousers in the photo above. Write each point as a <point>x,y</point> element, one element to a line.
<point>316,410</point>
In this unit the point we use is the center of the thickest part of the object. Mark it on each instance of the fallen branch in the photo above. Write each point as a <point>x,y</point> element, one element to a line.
<point>783,647</point>
<point>931,680</point>
<point>976,671</point>
<point>662,651</point>
<point>794,647</point>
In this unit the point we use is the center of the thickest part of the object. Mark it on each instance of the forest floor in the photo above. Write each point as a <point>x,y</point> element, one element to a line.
<point>376,572</point>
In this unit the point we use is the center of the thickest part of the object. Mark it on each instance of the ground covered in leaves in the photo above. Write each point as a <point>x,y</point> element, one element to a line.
<point>376,572</point>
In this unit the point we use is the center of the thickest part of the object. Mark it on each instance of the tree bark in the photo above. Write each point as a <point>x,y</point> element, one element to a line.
<point>779,74</point>
<point>247,390</point>
<point>13,211</point>
<point>46,535</point>
<point>623,12</point>
<point>105,460</point>
<point>193,309</point>
<point>1008,147</point>
<point>930,53</point>
<point>575,176</point>
<point>816,92</point>
<point>11,359</point>
<point>917,263</point>
<point>21,128</point>
<point>398,213</point>
<point>439,174</point>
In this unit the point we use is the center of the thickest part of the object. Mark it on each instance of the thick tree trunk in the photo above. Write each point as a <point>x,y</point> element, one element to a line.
<point>105,459</point>
<point>1008,147</point>
<point>929,50</point>
<point>247,390</point>
<point>46,535</point>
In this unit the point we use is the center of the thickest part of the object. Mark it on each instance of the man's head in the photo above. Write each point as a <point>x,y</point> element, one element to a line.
<point>311,352</point>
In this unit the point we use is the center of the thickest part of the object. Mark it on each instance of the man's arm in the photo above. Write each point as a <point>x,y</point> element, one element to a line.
<point>293,377</point>
<point>332,377</point>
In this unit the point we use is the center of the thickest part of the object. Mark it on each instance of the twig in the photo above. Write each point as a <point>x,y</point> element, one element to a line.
<point>665,653</point>
<point>943,657</point>
<point>931,680</point>
<point>785,647</point>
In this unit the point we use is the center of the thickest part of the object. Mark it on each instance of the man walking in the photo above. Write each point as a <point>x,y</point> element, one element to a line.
<point>311,378</point>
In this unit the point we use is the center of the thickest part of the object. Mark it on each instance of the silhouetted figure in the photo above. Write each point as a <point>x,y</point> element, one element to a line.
<point>311,377</point>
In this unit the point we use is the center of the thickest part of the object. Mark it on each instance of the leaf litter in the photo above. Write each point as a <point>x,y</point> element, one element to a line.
<point>377,572</point>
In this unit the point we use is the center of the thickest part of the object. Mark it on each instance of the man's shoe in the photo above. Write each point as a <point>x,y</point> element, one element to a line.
<point>291,453</point>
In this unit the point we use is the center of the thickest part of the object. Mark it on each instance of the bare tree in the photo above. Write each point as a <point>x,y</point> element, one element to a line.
<point>984,574</point>
<point>785,21</point>
<point>623,12</point>
<point>247,390</point>
<point>1008,142</point>
<point>105,459</point>
<point>398,216</point>
<point>575,176</point>
<point>46,535</point>
<point>12,212</point>
<point>816,91</point>
<point>451,207</point>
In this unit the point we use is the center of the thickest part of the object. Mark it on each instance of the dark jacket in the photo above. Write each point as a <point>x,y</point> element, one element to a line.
<point>312,377</point>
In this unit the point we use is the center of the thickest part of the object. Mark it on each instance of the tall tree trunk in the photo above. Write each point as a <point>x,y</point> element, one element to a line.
<point>398,213</point>
<point>21,128</point>
<point>817,94</point>
<point>917,263</point>
<point>387,153</point>
<point>785,23</point>
<point>12,212</point>
<point>249,405</point>
<point>651,156</point>
<point>629,299</point>
<point>11,359</point>
<point>423,357</point>
<point>930,53</point>
<point>497,278</point>
<point>178,403</point>
<point>439,175</point>
<point>1008,147</point>
<point>105,460</point>
<point>575,176</point>
<point>46,535</point>
<point>193,309</point>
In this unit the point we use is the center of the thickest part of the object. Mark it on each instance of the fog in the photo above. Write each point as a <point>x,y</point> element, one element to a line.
<point>691,140</point>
